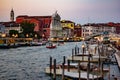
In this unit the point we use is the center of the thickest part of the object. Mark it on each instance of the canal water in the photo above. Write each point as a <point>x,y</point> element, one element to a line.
<point>28,63</point>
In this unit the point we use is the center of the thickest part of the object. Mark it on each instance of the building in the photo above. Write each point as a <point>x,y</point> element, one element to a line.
<point>68,28</point>
<point>56,28</point>
<point>44,24</point>
<point>78,30</point>
<point>92,29</point>
<point>5,27</point>
<point>11,26</point>
<point>12,15</point>
<point>116,25</point>
<point>2,28</point>
<point>67,23</point>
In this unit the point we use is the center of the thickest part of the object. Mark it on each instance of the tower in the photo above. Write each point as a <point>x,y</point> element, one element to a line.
<point>12,15</point>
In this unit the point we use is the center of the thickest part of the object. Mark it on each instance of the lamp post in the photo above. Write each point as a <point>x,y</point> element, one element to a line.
<point>88,64</point>
<point>35,35</point>
<point>3,35</point>
<point>27,35</point>
<point>43,36</point>
<point>13,35</point>
<point>83,50</point>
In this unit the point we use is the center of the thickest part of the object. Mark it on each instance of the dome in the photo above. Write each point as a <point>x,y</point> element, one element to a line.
<point>56,16</point>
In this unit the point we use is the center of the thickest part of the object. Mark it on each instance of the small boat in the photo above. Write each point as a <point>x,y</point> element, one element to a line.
<point>51,46</point>
<point>4,46</point>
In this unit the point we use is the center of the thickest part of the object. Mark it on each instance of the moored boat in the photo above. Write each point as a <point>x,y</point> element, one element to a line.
<point>50,46</point>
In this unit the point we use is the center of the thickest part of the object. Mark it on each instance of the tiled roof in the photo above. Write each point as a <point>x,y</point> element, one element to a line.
<point>103,24</point>
<point>8,24</point>
<point>25,16</point>
<point>66,21</point>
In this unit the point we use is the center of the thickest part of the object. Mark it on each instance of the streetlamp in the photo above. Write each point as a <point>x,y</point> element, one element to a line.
<point>16,35</point>
<point>13,35</point>
<point>43,36</point>
<point>27,35</point>
<point>35,35</point>
<point>3,35</point>
<point>83,50</point>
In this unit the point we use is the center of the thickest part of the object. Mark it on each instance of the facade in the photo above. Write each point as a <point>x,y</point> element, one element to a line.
<point>11,26</point>
<point>68,28</point>
<point>42,24</point>
<point>77,30</point>
<point>56,28</point>
<point>67,23</point>
<point>45,26</point>
<point>95,29</point>
<point>116,25</point>
<point>2,29</point>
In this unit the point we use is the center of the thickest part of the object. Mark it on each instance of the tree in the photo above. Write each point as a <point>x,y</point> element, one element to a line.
<point>28,28</point>
<point>13,32</point>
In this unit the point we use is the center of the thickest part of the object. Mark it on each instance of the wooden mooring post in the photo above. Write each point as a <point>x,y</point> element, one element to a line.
<point>72,54</point>
<point>50,66</point>
<point>78,50</point>
<point>79,70</point>
<point>68,65</point>
<point>64,60</point>
<point>54,75</point>
<point>75,50</point>
<point>63,71</point>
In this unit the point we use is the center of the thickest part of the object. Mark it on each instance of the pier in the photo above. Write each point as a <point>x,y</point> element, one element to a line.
<point>102,63</point>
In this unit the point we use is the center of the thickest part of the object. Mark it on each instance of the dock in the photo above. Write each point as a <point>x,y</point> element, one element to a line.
<point>117,55</point>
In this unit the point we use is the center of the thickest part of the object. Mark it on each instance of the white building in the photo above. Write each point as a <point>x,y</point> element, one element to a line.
<point>11,26</point>
<point>56,28</point>
<point>2,28</point>
<point>95,29</point>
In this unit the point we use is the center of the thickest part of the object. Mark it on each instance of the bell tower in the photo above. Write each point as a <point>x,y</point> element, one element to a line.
<point>12,15</point>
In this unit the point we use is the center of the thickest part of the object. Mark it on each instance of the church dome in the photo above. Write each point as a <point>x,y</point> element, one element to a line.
<point>56,16</point>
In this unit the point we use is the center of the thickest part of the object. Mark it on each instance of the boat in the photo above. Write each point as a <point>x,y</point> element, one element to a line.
<point>6,43</point>
<point>50,46</point>
<point>4,46</point>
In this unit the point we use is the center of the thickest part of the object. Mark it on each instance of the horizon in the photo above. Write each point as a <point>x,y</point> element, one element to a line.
<point>78,11</point>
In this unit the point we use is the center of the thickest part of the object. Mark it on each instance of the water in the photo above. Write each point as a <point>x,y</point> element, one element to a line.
<point>28,63</point>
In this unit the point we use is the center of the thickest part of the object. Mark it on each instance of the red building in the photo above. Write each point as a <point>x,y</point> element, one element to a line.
<point>42,24</point>
<point>77,30</point>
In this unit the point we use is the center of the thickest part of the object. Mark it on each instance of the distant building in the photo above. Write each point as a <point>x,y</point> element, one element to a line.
<point>95,29</point>
<point>116,25</point>
<point>2,28</point>
<point>68,28</point>
<point>78,30</point>
<point>56,28</point>
<point>11,26</point>
<point>67,24</point>
<point>44,24</point>
<point>12,15</point>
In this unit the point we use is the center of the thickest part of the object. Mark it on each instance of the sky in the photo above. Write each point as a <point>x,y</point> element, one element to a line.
<point>78,11</point>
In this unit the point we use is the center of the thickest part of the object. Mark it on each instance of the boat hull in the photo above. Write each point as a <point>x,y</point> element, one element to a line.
<point>51,47</point>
